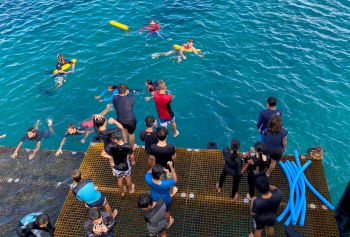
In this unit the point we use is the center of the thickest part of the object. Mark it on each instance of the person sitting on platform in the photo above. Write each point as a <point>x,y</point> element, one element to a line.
<point>154,214</point>
<point>33,224</point>
<point>100,223</point>
<point>264,208</point>
<point>85,190</point>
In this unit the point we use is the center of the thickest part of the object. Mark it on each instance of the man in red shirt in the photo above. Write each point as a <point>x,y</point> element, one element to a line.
<point>153,29</point>
<point>165,113</point>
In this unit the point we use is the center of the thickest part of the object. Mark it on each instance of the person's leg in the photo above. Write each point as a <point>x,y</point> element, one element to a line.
<point>159,34</point>
<point>271,168</point>
<point>125,134</point>
<point>235,183</point>
<point>121,186</point>
<point>131,186</point>
<point>108,109</point>
<point>167,53</point>
<point>251,184</point>
<point>108,207</point>
<point>257,233</point>
<point>173,126</point>
<point>221,180</point>
<point>270,230</point>
<point>132,142</point>
<point>162,233</point>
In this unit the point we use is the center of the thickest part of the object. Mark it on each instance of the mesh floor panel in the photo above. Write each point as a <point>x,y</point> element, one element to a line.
<point>208,213</point>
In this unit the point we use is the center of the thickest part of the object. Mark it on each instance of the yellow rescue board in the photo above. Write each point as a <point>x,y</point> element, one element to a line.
<point>119,25</point>
<point>178,47</point>
<point>65,66</point>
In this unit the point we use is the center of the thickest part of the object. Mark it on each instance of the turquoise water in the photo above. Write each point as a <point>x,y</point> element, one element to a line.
<point>297,51</point>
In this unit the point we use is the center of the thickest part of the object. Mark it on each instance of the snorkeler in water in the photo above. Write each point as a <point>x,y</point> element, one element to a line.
<point>85,128</point>
<point>151,86</point>
<point>186,46</point>
<point>34,134</point>
<point>110,88</point>
<point>62,61</point>
<point>153,29</point>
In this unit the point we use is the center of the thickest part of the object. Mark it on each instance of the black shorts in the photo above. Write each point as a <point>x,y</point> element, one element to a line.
<point>167,207</point>
<point>129,125</point>
<point>99,203</point>
<point>260,222</point>
<point>275,154</point>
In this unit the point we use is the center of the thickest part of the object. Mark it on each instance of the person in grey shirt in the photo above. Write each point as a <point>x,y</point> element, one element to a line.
<point>154,214</point>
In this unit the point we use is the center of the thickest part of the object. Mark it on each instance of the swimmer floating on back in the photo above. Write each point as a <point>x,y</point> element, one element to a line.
<point>153,29</point>
<point>34,134</point>
<point>111,88</point>
<point>186,46</point>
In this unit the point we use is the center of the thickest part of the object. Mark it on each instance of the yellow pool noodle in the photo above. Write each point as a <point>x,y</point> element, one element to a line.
<point>65,66</point>
<point>178,47</point>
<point>119,25</point>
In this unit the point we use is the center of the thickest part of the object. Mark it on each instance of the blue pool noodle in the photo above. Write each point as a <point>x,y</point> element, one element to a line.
<point>286,209</point>
<point>300,204</point>
<point>291,174</point>
<point>317,194</point>
<point>291,195</point>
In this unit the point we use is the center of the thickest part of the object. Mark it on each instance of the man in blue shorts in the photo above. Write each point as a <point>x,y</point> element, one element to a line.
<point>85,190</point>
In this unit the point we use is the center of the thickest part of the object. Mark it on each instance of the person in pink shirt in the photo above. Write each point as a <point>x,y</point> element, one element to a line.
<point>153,29</point>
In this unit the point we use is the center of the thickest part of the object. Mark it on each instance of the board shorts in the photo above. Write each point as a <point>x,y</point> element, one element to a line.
<point>274,153</point>
<point>129,125</point>
<point>260,222</point>
<point>165,123</point>
<point>87,124</point>
<point>120,174</point>
<point>99,203</point>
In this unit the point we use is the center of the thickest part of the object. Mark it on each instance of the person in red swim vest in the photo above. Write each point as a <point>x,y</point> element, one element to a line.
<point>165,113</point>
<point>186,46</point>
<point>153,29</point>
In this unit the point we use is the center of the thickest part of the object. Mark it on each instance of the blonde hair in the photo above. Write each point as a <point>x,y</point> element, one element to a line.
<point>161,85</point>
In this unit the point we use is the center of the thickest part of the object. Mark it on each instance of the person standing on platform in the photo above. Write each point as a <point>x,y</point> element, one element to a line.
<point>149,136</point>
<point>266,114</point>
<point>100,223</point>
<point>233,167</point>
<point>264,208</point>
<point>275,141</point>
<point>124,104</point>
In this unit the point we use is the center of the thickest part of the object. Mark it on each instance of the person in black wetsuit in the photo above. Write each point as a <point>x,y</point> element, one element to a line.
<point>257,164</point>
<point>33,224</point>
<point>100,127</point>
<point>149,136</point>
<point>100,223</point>
<point>264,208</point>
<point>118,154</point>
<point>123,104</point>
<point>233,167</point>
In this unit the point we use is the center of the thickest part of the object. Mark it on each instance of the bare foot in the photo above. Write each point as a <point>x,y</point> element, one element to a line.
<point>217,187</point>
<point>171,222</point>
<point>176,133</point>
<point>234,198</point>
<point>132,190</point>
<point>175,189</point>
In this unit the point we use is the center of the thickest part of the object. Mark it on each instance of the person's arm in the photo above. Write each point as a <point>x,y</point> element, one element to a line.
<point>244,168</point>
<point>284,142</point>
<point>252,206</point>
<point>15,153</point>
<point>59,150</point>
<point>101,94</point>
<point>73,67</point>
<point>260,122</point>
<point>272,188</point>
<point>88,226</point>
<point>152,159</point>
<point>172,170</point>
<point>196,52</point>
<point>132,156</point>
<point>148,98</point>
<point>181,52</point>
<point>36,149</point>
<point>115,122</point>
<point>86,134</point>
<point>143,28</point>
<point>173,156</point>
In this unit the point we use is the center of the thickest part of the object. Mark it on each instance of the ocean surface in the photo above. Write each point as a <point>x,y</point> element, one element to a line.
<point>297,51</point>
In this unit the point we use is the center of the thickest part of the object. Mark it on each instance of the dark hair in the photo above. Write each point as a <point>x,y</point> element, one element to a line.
<point>259,148</point>
<point>235,145</point>
<point>32,130</point>
<point>262,184</point>
<point>113,87</point>
<point>271,101</point>
<point>99,122</point>
<point>145,200</point>
<point>162,133</point>
<point>76,175</point>
<point>122,88</point>
<point>149,121</point>
<point>157,171</point>
<point>190,40</point>
<point>275,124</point>
<point>71,125</point>
<point>149,82</point>
<point>116,135</point>
<point>94,214</point>
<point>42,219</point>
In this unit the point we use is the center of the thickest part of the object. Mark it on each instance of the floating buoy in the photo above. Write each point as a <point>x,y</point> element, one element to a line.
<point>119,25</point>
